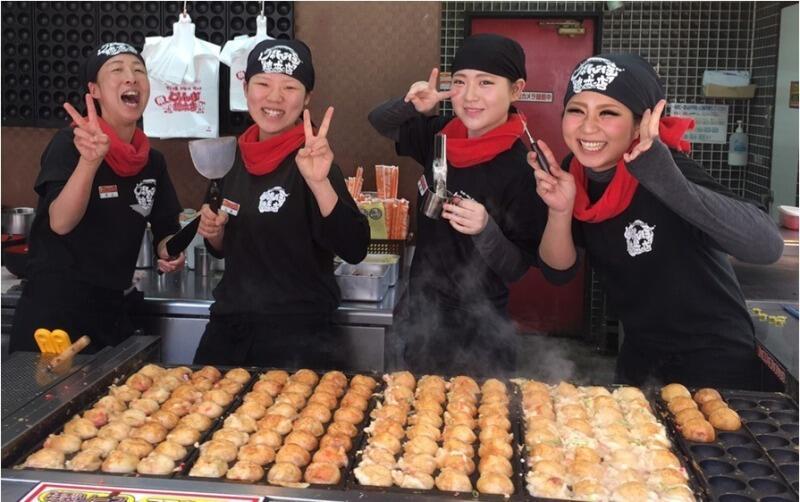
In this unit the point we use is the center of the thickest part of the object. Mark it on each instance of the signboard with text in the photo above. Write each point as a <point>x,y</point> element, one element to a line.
<point>711,121</point>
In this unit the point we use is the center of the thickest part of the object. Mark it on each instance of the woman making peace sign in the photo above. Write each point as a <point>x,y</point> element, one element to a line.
<point>285,212</point>
<point>99,185</point>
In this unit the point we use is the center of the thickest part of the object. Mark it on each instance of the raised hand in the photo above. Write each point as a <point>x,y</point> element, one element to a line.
<point>90,140</point>
<point>466,216</point>
<point>648,131</point>
<point>425,95</point>
<point>557,189</point>
<point>315,158</point>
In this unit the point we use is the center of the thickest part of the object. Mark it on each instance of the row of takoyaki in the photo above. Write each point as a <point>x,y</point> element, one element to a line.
<point>696,418</point>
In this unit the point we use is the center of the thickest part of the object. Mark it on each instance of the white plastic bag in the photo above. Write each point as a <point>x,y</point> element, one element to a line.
<point>234,54</point>
<point>184,84</point>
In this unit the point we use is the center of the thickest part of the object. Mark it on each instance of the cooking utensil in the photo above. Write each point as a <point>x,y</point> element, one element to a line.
<point>212,158</point>
<point>52,342</point>
<point>18,220</point>
<point>145,259</point>
<point>540,158</point>
<point>69,353</point>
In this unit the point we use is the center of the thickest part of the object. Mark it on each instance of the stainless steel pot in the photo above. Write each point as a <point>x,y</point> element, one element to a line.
<point>18,220</point>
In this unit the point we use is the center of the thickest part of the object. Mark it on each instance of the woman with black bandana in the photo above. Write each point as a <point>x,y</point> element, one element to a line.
<point>100,184</point>
<point>657,228</point>
<point>285,212</point>
<point>453,318</point>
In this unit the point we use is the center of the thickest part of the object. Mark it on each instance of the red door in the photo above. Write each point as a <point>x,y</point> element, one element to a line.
<point>535,304</point>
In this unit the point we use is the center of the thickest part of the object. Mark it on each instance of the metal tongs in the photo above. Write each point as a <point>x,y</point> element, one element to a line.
<point>540,158</point>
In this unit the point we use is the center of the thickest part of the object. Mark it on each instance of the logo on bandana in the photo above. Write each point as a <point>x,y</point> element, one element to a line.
<point>279,59</point>
<point>594,74</point>
<point>114,48</point>
<point>272,200</point>
<point>639,237</point>
<point>145,192</point>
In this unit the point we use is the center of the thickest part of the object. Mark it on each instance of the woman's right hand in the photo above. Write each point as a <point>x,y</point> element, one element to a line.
<point>90,140</point>
<point>212,225</point>
<point>425,95</point>
<point>557,189</point>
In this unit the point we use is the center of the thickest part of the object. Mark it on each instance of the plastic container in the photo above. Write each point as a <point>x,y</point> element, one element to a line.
<point>789,216</point>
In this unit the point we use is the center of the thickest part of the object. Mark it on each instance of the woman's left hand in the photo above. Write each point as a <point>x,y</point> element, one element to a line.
<point>648,131</point>
<point>315,158</point>
<point>466,216</point>
<point>166,265</point>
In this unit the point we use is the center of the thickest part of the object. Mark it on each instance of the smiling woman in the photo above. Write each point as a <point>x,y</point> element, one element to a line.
<point>100,184</point>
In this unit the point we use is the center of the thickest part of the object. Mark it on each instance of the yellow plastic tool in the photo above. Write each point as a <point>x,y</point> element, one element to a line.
<point>52,342</point>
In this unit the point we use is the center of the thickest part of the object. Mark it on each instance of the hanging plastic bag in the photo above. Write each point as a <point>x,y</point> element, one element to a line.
<point>184,84</point>
<point>234,54</point>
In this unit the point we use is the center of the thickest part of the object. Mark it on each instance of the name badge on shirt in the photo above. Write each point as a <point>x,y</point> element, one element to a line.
<point>108,191</point>
<point>422,184</point>
<point>230,207</point>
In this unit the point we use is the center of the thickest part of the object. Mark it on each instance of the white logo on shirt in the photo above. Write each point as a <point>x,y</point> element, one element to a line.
<point>272,200</point>
<point>594,73</point>
<point>639,236</point>
<point>145,192</point>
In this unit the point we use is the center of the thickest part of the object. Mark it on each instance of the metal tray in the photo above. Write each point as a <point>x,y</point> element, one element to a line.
<point>362,282</point>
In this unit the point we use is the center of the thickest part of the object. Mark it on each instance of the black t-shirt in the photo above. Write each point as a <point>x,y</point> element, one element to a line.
<point>446,263</point>
<point>103,248</point>
<point>278,248</point>
<point>671,286</point>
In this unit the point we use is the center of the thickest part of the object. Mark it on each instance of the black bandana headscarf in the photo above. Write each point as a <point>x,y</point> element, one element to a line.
<point>493,54</point>
<point>103,53</point>
<point>290,57</point>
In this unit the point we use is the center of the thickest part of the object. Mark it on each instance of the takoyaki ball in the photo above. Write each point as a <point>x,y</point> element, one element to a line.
<point>184,435</point>
<point>496,463</point>
<point>81,427</point>
<point>632,491</point>
<point>148,406</point>
<point>422,417</point>
<point>115,430</point>
<point>209,409</point>
<point>309,425</point>
<point>283,409</point>
<point>494,483</point>
<point>135,446</point>
<point>345,428</point>
<point>497,421</point>
<point>587,489</point>
<point>431,394</point>
<point>361,390</point>
<point>547,486</point>
<point>236,437</point>
<point>623,459</point>
<point>156,464</point>
<point>165,418</point>
<point>661,458</point>
<point>305,376</point>
<point>373,475</point>
<point>628,394</point>
<point>663,478</point>
<point>678,493</point>
<point>293,454</point>
<point>261,398</point>
<point>414,431</point>
<point>336,377</point>
<point>208,372</point>
<point>699,430</point>
<point>533,386</point>
<point>284,472</point>
<point>374,455</point>
<point>196,421</point>
<point>681,403</point>
<point>497,446</point>
<point>459,418</point>
<point>97,416</point>
<point>266,438</point>
<point>349,414</point>
<point>277,423</point>
<point>303,439</point>
<point>324,398</point>
<point>605,402</point>
<point>209,467</point>
<point>673,390</point>
<point>453,481</point>
<point>152,370</point>
<point>493,409</point>
<point>181,373</point>
<point>465,383</point>
<point>330,388</point>
<point>279,376</point>
<point>584,469</point>
<point>203,384</point>
<point>232,387</point>
<point>120,462</point>
<point>188,392</point>
<point>495,397</point>
<point>392,412</point>
<point>152,432</point>
<point>331,455</point>
<point>398,394</point>
<point>336,441</point>
<point>218,396</point>
<point>572,411</point>
<point>711,406</point>
<point>156,393</point>
<point>46,458</point>
<point>256,453</point>
<point>169,381</point>
<point>421,444</point>
<point>587,454</point>
<point>428,404</point>
<point>270,387</point>
<point>534,436</point>
<point>457,462</point>
<point>66,443</point>
<point>648,432</point>
<point>606,416</point>
<point>416,462</point>
<point>133,417</point>
<point>139,382</point>
<point>322,473</point>
<point>219,448</point>
<point>240,375</point>
<point>724,419</point>
<point>177,406</point>
<point>413,480</point>
<point>581,426</point>
<point>432,382</point>
<point>404,378</point>
<point>543,452</point>
<point>244,470</point>
<point>491,432</point>
<point>462,407</point>
<point>364,380</point>
<point>355,401</point>
<point>102,445</point>
<point>459,432</point>
<point>251,409</point>
<point>493,385</point>
<point>303,389</point>
<point>386,441</point>
<point>112,404</point>
<point>317,412</point>
<point>240,423</point>
<point>704,395</point>
<point>172,450</point>
<point>456,446</point>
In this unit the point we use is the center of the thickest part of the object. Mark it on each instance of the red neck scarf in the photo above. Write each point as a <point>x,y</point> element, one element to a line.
<point>126,159</point>
<point>263,157</point>
<point>467,152</point>
<point>619,193</point>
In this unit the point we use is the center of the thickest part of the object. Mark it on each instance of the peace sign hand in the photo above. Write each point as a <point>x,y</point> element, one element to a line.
<point>648,131</point>
<point>315,158</point>
<point>90,140</point>
<point>425,95</point>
